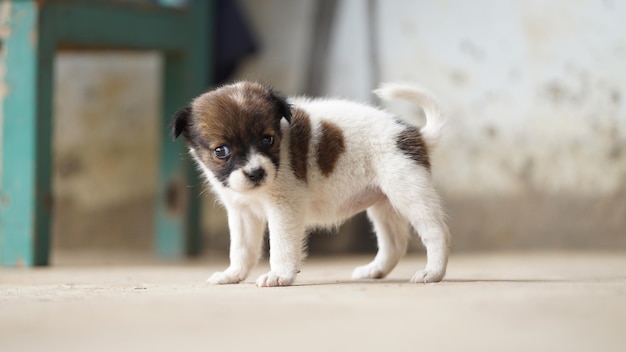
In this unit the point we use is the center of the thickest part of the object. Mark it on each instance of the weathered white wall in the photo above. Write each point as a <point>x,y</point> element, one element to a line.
<point>533,90</point>
<point>283,30</point>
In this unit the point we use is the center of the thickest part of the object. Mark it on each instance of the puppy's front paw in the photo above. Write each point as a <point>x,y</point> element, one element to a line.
<point>369,271</point>
<point>224,277</point>
<point>426,276</point>
<point>273,279</point>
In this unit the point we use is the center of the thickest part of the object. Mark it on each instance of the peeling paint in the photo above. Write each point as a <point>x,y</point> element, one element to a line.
<point>5,13</point>
<point>5,32</point>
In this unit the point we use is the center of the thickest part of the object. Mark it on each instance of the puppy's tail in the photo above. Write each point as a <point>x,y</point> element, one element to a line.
<point>434,118</point>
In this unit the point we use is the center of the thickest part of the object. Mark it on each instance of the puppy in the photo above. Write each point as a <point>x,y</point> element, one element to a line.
<point>299,163</point>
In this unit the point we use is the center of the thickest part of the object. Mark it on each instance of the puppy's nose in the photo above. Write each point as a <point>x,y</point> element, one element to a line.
<point>255,175</point>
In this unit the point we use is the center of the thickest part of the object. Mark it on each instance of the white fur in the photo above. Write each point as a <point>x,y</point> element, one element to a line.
<point>434,123</point>
<point>238,96</point>
<point>372,174</point>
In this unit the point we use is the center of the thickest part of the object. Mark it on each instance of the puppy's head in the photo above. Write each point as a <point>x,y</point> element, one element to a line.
<point>234,133</point>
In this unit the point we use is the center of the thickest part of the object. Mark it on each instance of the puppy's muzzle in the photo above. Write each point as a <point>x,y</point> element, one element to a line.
<point>256,175</point>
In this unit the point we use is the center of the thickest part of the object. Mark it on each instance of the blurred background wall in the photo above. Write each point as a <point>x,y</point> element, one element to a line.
<point>534,156</point>
<point>106,144</point>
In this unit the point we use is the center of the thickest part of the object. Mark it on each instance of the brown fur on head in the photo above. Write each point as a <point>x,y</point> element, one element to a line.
<point>226,125</point>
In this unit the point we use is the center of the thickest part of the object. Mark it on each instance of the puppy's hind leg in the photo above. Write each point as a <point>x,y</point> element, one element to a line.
<point>418,201</point>
<point>392,232</point>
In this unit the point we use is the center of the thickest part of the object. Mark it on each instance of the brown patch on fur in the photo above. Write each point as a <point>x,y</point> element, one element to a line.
<point>330,146</point>
<point>300,137</point>
<point>410,141</point>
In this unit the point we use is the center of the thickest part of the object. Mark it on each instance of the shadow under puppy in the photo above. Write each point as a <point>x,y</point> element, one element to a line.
<point>298,163</point>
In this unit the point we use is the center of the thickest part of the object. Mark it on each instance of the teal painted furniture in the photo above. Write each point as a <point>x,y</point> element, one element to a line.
<point>31,32</point>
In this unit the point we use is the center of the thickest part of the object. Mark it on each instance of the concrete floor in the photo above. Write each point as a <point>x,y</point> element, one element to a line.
<point>488,302</point>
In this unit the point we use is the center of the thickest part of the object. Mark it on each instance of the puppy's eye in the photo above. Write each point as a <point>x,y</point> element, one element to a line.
<point>267,140</point>
<point>222,152</point>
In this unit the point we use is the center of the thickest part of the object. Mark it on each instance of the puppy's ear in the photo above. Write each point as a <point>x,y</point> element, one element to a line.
<point>180,122</point>
<point>283,107</point>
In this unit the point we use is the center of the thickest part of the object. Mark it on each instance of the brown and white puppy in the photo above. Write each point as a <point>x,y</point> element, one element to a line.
<point>298,163</point>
